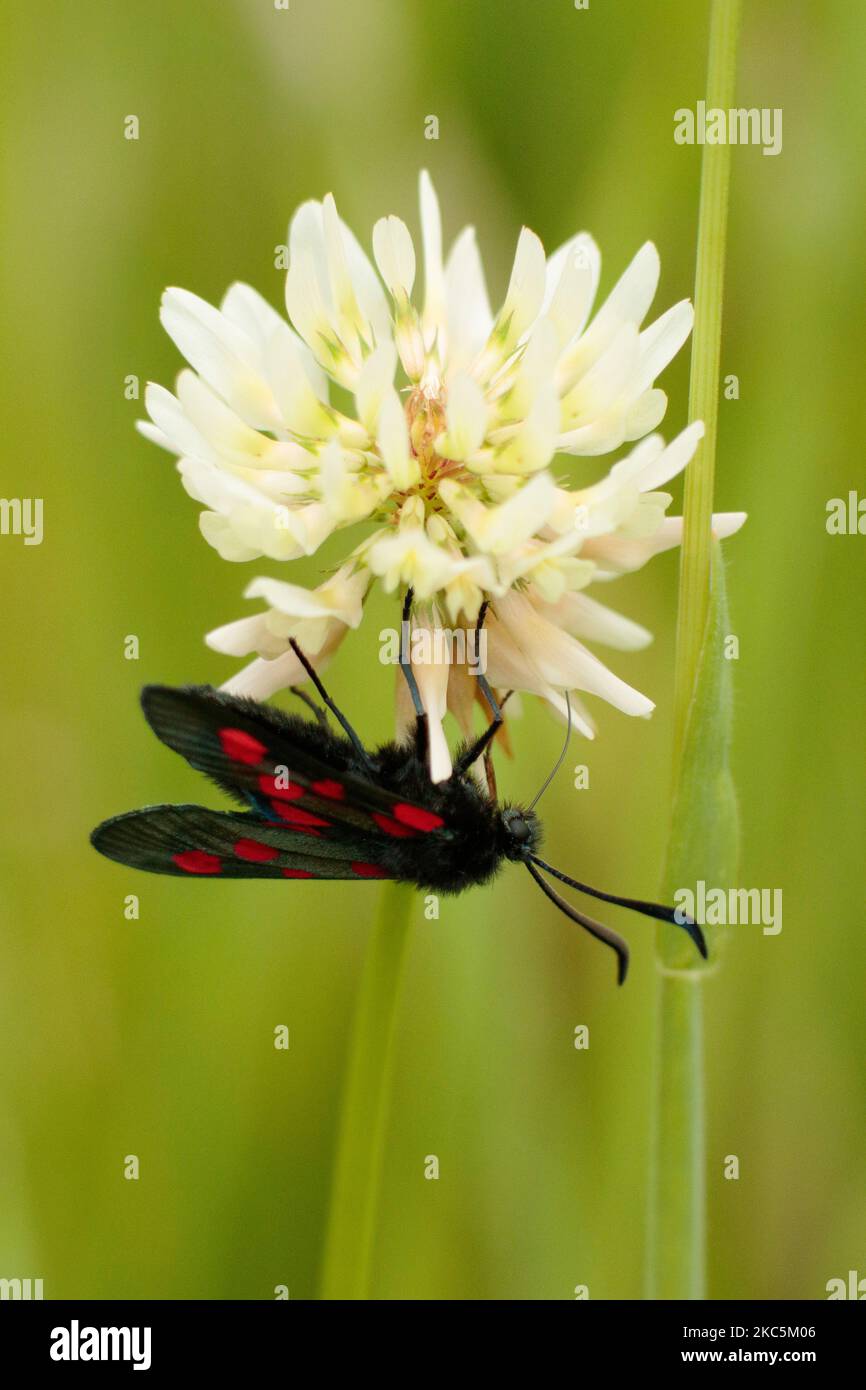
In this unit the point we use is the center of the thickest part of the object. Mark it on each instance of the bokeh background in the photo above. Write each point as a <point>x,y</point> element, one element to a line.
<point>155,1037</point>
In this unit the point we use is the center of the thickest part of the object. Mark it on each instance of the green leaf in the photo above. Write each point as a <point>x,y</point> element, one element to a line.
<point>704,838</point>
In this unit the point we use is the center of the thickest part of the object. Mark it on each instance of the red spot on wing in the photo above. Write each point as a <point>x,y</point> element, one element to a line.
<point>197,861</point>
<point>278,786</point>
<point>298,818</point>
<point>255,852</point>
<point>417,817</point>
<point>393,827</point>
<point>241,747</point>
<point>297,873</point>
<point>367,870</point>
<point>334,791</point>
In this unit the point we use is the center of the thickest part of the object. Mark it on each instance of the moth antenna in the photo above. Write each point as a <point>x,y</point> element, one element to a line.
<point>596,929</point>
<point>560,760</point>
<point>648,909</point>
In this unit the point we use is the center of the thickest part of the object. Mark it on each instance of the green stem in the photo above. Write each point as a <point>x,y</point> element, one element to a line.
<point>677,1218</point>
<point>676,1235</point>
<point>361,1138</point>
<point>706,356</point>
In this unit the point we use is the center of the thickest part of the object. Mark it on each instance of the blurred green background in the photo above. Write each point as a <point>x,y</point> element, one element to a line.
<point>155,1037</point>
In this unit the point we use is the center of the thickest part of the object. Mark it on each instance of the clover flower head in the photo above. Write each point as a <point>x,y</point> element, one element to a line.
<point>415,410</point>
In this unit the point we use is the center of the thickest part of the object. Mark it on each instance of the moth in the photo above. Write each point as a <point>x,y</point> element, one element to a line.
<point>320,805</point>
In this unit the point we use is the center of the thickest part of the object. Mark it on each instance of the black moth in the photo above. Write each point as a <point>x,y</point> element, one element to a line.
<point>320,805</point>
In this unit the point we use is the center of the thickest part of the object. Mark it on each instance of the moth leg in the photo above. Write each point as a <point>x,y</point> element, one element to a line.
<point>421,731</point>
<point>482,743</point>
<point>490,773</point>
<point>483,683</point>
<point>320,715</point>
<point>338,715</point>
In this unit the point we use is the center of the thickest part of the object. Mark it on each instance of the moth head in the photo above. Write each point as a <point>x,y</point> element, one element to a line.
<point>522,832</point>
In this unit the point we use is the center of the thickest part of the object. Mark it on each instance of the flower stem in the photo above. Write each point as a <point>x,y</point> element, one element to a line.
<point>704,380</point>
<point>676,1228</point>
<point>361,1137</point>
<point>676,1217</point>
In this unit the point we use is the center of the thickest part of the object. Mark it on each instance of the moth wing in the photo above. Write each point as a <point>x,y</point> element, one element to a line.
<point>278,763</point>
<point>195,842</point>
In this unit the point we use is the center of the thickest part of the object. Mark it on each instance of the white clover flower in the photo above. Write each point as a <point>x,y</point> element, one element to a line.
<point>447,450</point>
